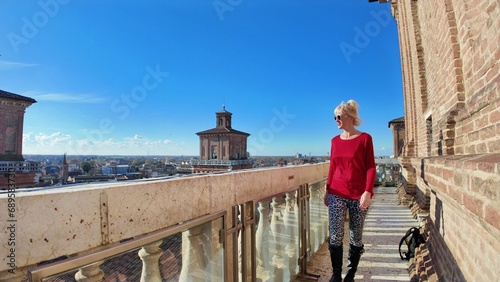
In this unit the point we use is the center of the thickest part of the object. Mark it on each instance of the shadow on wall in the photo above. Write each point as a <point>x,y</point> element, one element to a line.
<point>445,265</point>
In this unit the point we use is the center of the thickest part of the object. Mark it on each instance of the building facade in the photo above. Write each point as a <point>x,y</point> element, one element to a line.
<point>450,52</point>
<point>222,148</point>
<point>14,171</point>
<point>398,135</point>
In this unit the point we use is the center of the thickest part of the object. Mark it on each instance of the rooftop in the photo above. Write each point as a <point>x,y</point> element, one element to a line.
<point>8,95</point>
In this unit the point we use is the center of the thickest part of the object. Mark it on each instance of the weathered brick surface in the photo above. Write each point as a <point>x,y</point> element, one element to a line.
<point>450,52</point>
<point>11,129</point>
<point>23,180</point>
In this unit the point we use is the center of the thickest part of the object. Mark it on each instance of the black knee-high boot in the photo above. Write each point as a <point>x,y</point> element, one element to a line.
<point>336,258</point>
<point>353,261</point>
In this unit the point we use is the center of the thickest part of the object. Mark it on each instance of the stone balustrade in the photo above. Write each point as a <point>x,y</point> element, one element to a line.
<point>217,162</point>
<point>73,222</point>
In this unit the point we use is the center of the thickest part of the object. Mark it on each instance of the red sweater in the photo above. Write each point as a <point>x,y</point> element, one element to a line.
<point>352,167</point>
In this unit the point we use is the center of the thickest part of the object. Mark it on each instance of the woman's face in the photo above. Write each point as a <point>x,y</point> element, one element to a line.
<point>341,120</point>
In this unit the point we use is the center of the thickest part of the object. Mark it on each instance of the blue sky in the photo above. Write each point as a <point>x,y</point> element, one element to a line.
<point>142,77</point>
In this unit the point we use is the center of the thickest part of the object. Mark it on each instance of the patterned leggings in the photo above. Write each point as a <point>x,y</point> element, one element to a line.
<point>337,209</point>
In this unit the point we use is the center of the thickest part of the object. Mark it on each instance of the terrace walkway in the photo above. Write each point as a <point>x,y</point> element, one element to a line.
<point>386,223</point>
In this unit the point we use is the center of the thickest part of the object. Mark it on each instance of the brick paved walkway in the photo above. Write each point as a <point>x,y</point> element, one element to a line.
<point>385,224</point>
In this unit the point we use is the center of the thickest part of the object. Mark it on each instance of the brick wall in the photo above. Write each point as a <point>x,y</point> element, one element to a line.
<point>22,180</point>
<point>11,130</point>
<point>227,146</point>
<point>464,216</point>
<point>450,52</point>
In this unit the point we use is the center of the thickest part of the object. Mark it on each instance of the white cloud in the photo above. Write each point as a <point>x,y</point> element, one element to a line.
<point>59,143</point>
<point>5,65</point>
<point>66,97</point>
<point>111,143</point>
<point>28,138</point>
<point>155,143</point>
<point>135,141</point>
<point>42,139</point>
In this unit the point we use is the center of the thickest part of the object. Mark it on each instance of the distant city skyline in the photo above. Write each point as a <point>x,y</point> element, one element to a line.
<point>143,79</point>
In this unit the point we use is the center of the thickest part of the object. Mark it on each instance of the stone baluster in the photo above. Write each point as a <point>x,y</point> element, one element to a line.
<point>262,242</point>
<point>313,213</point>
<point>214,252</point>
<point>90,273</point>
<point>240,238</point>
<point>150,254</point>
<point>325,216</point>
<point>193,255</point>
<point>324,229</point>
<point>291,221</point>
<point>277,232</point>
<point>390,172</point>
<point>316,203</point>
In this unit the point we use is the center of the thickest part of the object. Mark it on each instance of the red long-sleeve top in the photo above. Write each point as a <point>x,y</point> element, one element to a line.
<point>352,167</point>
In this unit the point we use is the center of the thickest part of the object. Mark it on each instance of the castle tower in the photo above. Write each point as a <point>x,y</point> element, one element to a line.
<point>12,108</point>
<point>14,171</point>
<point>222,148</point>
<point>398,135</point>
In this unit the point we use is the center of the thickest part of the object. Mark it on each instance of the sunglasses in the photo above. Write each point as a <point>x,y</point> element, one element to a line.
<point>337,118</point>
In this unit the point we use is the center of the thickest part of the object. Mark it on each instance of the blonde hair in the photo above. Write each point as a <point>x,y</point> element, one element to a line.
<point>351,109</point>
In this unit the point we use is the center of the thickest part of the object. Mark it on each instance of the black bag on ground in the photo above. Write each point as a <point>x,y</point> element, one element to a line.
<point>412,239</point>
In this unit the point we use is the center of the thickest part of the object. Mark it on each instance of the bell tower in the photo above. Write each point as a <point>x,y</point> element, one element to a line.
<point>64,170</point>
<point>223,118</point>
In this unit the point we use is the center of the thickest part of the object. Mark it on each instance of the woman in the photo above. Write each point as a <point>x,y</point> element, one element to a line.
<point>349,187</point>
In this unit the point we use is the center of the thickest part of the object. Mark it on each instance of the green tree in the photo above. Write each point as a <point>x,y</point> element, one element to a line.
<point>86,167</point>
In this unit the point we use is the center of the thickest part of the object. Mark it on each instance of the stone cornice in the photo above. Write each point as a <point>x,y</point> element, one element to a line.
<point>12,103</point>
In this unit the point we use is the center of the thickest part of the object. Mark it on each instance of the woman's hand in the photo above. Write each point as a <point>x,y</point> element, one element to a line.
<point>365,200</point>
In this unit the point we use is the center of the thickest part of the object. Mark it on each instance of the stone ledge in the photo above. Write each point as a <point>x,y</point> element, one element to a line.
<point>69,221</point>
